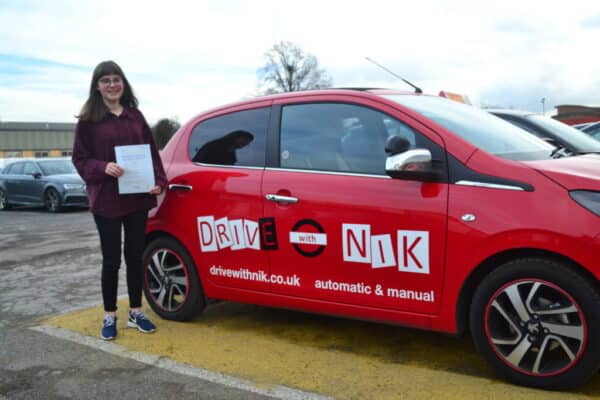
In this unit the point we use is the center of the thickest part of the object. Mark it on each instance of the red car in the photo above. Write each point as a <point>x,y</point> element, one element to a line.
<point>388,206</point>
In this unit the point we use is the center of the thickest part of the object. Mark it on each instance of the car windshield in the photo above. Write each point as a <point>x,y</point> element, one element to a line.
<point>579,139</point>
<point>593,130</point>
<point>478,127</point>
<point>57,167</point>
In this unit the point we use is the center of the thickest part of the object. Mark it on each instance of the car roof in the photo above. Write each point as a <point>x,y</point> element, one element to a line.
<point>340,90</point>
<point>358,91</point>
<point>32,159</point>
<point>18,160</point>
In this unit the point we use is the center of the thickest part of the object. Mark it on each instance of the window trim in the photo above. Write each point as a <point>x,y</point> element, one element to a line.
<point>272,159</point>
<point>277,114</point>
<point>35,166</point>
<point>224,114</point>
<point>11,166</point>
<point>322,172</point>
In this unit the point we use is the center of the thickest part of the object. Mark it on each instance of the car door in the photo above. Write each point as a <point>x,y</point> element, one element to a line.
<point>347,232</point>
<point>31,185</point>
<point>13,179</point>
<point>215,198</point>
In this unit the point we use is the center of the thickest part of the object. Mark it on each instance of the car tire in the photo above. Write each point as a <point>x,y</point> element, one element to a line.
<point>171,283</point>
<point>537,321</point>
<point>52,200</point>
<point>4,201</point>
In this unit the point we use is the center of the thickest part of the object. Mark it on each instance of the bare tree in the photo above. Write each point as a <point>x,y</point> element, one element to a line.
<point>289,69</point>
<point>163,130</point>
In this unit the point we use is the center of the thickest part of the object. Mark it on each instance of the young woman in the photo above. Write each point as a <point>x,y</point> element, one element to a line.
<point>110,118</point>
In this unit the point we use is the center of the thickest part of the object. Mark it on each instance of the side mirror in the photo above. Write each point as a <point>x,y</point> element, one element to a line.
<point>37,175</point>
<point>411,165</point>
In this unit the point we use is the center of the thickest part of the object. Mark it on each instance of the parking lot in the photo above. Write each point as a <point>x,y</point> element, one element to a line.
<point>50,314</point>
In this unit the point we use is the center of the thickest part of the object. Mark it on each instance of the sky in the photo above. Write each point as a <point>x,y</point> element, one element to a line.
<point>184,57</point>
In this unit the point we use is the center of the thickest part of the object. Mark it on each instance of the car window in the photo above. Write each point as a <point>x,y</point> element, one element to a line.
<point>516,121</point>
<point>338,137</point>
<point>593,131</point>
<point>57,167</point>
<point>233,139</point>
<point>591,127</point>
<point>570,134</point>
<point>30,169</point>
<point>478,127</point>
<point>15,169</point>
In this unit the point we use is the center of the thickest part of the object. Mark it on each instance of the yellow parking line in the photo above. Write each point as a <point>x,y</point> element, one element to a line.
<point>342,358</point>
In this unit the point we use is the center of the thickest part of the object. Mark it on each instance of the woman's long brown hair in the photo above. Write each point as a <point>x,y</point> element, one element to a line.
<point>94,109</point>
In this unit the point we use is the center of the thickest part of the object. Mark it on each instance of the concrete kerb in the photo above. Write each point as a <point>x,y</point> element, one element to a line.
<point>276,391</point>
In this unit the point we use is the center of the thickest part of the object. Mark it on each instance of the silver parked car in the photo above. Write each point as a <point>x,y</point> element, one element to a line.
<point>593,130</point>
<point>51,182</point>
<point>568,140</point>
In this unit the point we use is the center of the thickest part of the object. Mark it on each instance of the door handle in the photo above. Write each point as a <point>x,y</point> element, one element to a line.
<point>281,199</point>
<point>181,188</point>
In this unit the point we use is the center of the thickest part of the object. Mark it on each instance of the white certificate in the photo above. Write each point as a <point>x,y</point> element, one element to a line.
<point>136,161</point>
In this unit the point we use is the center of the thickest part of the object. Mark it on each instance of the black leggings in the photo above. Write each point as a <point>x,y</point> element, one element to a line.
<point>109,229</point>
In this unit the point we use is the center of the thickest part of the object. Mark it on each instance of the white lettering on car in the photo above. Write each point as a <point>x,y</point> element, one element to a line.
<point>308,238</point>
<point>256,276</point>
<point>251,234</point>
<point>382,251</point>
<point>412,247</point>
<point>378,290</point>
<point>358,244</point>
<point>406,294</point>
<point>415,251</point>
<point>237,234</point>
<point>220,234</point>
<point>206,232</point>
<point>354,241</point>
<point>223,233</point>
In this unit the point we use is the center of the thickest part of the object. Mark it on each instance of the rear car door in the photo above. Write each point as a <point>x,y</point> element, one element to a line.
<point>349,233</point>
<point>216,200</point>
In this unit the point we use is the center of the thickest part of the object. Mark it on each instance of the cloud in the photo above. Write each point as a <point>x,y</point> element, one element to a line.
<point>592,22</point>
<point>184,57</point>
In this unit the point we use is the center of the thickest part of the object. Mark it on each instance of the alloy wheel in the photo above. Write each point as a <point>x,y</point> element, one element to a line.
<point>535,327</point>
<point>167,279</point>
<point>52,200</point>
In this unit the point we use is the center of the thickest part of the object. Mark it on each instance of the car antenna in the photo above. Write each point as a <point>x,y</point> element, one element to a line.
<point>417,89</point>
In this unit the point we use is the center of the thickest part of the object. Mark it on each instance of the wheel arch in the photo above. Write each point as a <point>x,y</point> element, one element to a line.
<point>463,305</point>
<point>156,234</point>
<point>3,190</point>
<point>199,301</point>
<point>54,186</point>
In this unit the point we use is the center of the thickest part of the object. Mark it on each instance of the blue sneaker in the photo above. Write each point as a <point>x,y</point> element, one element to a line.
<point>138,320</point>
<point>109,327</point>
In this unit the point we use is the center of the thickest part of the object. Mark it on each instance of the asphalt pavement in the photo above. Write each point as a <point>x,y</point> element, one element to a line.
<point>50,264</point>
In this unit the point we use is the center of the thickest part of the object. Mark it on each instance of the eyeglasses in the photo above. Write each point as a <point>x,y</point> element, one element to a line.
<point>117,80</point>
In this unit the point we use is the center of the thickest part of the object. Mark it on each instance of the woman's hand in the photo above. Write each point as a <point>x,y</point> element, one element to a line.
<point>156,190</point>
<point>113,170</point>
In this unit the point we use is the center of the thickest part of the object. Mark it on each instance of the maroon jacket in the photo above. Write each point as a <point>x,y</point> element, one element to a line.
<point>94,147</point>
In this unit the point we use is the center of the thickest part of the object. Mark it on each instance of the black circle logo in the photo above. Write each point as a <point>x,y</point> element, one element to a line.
<point>318,227</point>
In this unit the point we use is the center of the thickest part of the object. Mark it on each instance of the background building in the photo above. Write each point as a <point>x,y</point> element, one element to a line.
<point>36,139</point>
<point>572,114</point>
